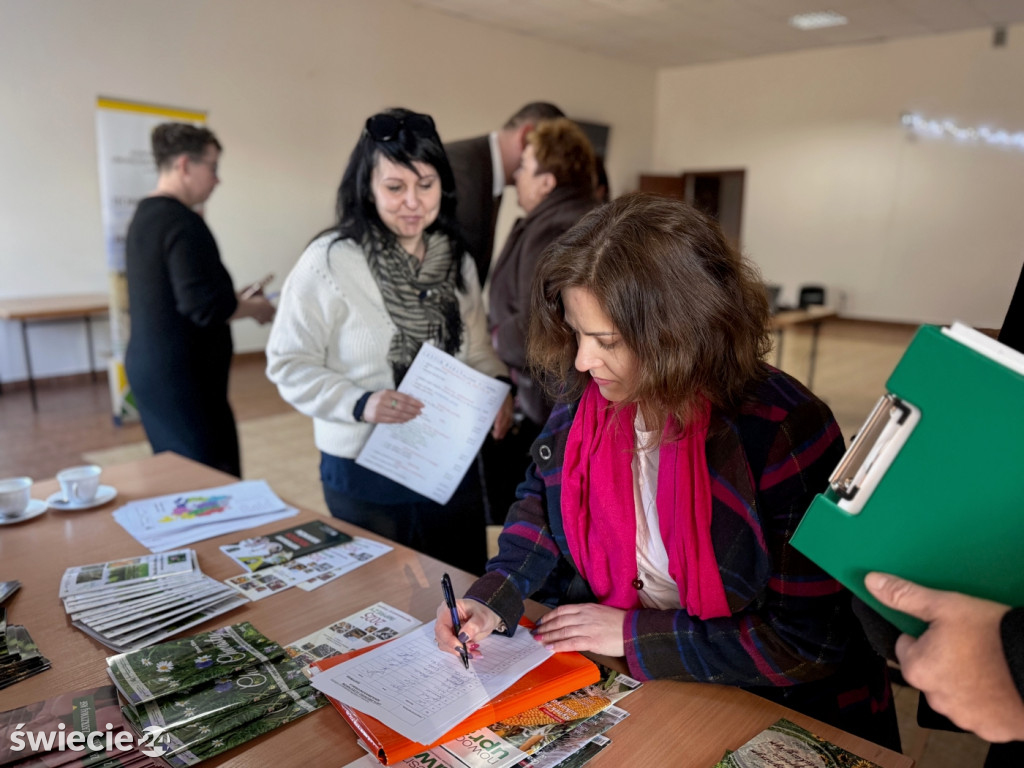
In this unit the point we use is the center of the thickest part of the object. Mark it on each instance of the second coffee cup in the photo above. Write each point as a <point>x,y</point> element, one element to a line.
<point>79,484</point>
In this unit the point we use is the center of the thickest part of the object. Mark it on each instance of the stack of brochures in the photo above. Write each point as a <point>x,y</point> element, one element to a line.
<point>20,658</point>
<point>179,519</point>
<point>137,601</point>
<point>564,733</point>
<point>305,556</point>
<point>84,728</point>
<point>196,697</point>
<point>787,745</point>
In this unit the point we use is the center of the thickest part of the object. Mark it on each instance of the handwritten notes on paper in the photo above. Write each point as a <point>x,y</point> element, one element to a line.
<point>431,453</point>
<point>422,693</point>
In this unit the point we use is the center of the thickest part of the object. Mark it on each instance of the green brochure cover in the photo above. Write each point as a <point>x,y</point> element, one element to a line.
<point>247,732</point>
<point>218,696</point>
<point>189,737</point>
<point>178,665</point>
<point>787,745</point>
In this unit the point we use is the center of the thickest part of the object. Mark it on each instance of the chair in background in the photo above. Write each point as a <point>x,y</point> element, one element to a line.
<point>811,295</point>
<point>772,292</point>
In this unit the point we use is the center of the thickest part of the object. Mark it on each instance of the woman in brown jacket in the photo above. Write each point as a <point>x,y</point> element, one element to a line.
<point>555,184</point>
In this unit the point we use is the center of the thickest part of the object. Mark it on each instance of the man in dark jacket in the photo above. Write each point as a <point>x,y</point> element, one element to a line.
<point>483,167</point>
<point>555,185</point>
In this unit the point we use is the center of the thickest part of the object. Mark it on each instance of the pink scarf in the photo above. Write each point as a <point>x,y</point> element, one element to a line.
<point>599,513</point>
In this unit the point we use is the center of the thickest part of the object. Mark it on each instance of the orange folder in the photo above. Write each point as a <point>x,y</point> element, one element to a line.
<point>559,675</point>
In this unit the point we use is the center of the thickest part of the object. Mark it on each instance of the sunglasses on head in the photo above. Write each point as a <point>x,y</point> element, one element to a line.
<point>384,127</point>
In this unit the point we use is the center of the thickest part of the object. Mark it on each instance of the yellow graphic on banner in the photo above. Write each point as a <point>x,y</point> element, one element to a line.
<point>150,109</point>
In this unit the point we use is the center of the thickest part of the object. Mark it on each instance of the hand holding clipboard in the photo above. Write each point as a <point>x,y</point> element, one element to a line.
<point>942,505</point>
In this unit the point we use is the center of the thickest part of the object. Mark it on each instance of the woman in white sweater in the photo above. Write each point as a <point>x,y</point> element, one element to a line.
<point>365,295</point>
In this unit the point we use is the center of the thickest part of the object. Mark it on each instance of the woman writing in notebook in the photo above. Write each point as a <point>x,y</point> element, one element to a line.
<point>669,478</point>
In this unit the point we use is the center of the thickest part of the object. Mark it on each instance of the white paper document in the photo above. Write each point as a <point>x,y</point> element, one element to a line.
<point>374,624</point>
<point>309,571</point>
<point>178,519</point>
<point>422,693</point>
<point>431,453</point>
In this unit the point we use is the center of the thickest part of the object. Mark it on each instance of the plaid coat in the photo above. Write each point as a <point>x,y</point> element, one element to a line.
<point>791,636</point>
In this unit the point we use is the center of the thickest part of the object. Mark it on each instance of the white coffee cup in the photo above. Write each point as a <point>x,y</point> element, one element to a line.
<point>15,495</point>
<point>79,484</point>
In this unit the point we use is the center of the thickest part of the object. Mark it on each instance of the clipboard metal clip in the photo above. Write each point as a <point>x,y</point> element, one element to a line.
<point>872,451</point>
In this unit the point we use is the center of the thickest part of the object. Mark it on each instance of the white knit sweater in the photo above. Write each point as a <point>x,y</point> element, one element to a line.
<point>330,339</point>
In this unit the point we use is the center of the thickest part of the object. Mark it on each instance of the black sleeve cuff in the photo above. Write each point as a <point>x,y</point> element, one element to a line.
<point>1011,629</point>
<point>498,594</point>
<point>880,633</point>
<point>360,406</point>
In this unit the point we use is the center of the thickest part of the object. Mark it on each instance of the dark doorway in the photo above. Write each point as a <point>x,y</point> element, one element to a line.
<point>718,193</point>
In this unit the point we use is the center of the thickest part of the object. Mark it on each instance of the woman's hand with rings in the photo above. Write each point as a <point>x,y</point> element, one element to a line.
<point>387,406</point>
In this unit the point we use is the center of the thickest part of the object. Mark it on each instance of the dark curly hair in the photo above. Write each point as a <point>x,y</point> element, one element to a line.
<point>172,139</point>
<point>691,309</point>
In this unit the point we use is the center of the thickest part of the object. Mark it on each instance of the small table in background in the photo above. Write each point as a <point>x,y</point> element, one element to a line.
<point>54,309</point>
<point>813,316</point>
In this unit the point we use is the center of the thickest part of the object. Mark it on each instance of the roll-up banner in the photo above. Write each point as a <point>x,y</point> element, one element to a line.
<point>127,174</point>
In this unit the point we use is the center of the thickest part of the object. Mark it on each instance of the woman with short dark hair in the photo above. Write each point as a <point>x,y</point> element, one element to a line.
<point>667,482</point>
<point>389,276</point>
<point>180,301</point>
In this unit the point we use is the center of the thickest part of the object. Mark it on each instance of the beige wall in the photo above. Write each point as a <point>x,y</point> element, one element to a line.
<point>287,85</point>
<point>836,191</point>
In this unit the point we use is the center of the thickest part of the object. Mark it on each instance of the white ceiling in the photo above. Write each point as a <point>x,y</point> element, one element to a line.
<point>665,33</point>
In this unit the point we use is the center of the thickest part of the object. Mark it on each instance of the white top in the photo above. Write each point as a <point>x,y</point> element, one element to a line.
<point>660,589</point>
<point>331,335</point>
<point>497,167</point>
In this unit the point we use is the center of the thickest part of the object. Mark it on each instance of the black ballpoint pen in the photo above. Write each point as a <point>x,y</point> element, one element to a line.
<point>449,599</point>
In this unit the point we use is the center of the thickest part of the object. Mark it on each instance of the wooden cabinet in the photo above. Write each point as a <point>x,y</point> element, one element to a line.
<point>718,193</point>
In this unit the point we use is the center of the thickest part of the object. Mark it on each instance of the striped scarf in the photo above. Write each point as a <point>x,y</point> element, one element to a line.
<point>419,297</point>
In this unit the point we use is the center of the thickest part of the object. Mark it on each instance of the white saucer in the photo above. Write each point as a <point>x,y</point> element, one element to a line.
<point>34,509</point>
<point>103,495</point>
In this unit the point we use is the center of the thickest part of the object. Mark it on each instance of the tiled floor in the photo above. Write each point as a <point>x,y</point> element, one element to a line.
<point>854,360</point>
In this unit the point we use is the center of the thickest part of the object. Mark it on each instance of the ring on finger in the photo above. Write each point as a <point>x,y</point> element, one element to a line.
<point>394,403</point>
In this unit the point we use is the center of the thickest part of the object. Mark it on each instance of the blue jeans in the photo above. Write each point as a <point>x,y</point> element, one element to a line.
<point>452,533</point>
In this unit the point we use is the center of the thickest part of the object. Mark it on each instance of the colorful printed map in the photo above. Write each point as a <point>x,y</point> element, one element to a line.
<point>191,507</point>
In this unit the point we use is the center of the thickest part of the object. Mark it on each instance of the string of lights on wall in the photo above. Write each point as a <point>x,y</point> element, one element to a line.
<point>948,129</point>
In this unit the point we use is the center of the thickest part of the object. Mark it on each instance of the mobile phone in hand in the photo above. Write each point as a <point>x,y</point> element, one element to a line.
<point>254,289</point>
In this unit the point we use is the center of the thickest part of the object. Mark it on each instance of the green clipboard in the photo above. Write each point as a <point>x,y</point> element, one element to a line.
<point>932,488</point>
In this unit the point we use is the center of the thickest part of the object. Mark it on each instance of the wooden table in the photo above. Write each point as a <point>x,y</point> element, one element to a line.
<point>683,725</point>
<point>54,309</point>
<point>813,316</point>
